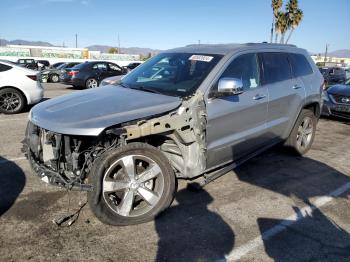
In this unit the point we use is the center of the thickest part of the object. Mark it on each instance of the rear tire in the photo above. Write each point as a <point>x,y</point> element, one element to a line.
<point>123,194</point>
<point>11,101</point>
<point>303,133</point>
<point>54,78</point>
<point>91,83</point>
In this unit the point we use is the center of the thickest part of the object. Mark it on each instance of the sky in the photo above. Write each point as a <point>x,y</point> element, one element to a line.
<point>167,24</point>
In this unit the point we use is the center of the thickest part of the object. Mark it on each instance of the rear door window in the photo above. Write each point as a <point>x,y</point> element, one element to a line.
<point>100,67</point>
<point>114,67</point>
<point>4,67</point>
<point>300,65</point>
<point>276,67</point>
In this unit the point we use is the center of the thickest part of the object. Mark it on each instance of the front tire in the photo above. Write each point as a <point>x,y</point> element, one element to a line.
<point>303,133</point>
<point>11,101</point>
<point>132,185</point>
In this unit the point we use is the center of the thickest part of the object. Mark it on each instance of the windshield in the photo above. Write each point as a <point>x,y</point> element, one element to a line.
<point>176,74</point>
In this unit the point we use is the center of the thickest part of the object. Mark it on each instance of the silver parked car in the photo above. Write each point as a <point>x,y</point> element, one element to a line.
<point>191,112</point>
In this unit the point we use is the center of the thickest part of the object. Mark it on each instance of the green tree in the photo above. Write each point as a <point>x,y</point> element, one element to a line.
<point>113,50</point>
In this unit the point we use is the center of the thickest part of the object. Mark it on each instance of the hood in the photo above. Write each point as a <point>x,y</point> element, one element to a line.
<point>89,112</point>
<point>343,90</point>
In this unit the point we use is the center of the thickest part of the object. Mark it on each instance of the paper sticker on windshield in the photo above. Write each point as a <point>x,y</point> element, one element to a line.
<point>203,58</point>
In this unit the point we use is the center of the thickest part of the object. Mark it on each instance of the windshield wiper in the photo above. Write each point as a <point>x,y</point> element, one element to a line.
<point>148,90</point>
<point>145,89</point>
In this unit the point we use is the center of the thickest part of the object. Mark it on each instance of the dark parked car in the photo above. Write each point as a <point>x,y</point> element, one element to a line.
<point>54,74</point>
<point>333,74</point>
<point>90,74</point>
<point>55,65</point>
<point>132,66</point>
<point>336,100</point>
<point>28,63</point>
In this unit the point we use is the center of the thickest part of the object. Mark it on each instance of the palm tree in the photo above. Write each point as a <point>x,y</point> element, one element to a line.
<point>284,21</point>
<point>276,6</point>
<point>282,24</point>
<point>294,23</point>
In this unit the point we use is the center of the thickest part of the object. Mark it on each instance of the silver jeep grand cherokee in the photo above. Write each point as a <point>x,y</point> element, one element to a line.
<point>191,112</point>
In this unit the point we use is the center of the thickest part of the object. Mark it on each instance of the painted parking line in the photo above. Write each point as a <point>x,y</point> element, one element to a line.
<point>5,161</point>
<point>241,251</point>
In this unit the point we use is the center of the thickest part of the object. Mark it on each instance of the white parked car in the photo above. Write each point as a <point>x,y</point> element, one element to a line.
<point>18,87</point>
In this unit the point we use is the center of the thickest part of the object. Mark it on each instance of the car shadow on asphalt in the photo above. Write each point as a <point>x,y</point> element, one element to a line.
<point>28,107</point>
<point>12,182</point>
<point>189,231</point>
<point>314,237</point>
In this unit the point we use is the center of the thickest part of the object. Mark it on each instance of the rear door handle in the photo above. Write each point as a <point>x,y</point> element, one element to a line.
<point>258,97</point>
<point>296,87</point>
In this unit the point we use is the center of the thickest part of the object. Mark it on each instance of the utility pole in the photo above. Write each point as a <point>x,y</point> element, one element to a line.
<point>76,40</point>
<point>325,54</point>
<point>271,33</point>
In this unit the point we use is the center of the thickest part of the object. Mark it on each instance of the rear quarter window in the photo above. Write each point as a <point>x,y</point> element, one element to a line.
<point>276,67</point>
<point>4,67</point>
<point>300,65</point>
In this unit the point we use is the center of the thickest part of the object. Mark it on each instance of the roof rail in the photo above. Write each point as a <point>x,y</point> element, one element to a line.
<point>266,43</point>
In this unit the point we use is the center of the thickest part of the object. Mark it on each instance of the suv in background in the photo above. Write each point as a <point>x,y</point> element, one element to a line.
<point>191,112</point>
<point>333,74</point>
<point>28,63</point>
<point>90,74</point>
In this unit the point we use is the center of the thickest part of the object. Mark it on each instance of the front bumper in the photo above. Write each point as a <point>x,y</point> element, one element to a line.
<point>48,170</point>
<point>338,110</point>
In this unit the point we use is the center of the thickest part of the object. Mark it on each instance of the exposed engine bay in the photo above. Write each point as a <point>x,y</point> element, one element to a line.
<point>66,160</point>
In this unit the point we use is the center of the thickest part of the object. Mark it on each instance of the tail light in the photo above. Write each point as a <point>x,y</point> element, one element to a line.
<point>324,85</point>
<point>73,73</point>
<point>33,77</point>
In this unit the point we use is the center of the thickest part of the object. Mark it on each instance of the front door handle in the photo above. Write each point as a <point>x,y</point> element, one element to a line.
<point>296,87</point>
<point>258,97</point>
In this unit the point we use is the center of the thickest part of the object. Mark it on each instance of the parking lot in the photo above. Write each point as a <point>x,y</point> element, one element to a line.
<point>275,207</point>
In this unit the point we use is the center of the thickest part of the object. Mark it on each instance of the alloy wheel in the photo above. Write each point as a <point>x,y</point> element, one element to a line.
<point>92,83</point>
<point>10,101</point>
<point>54,78</point>
<point>305,133</point>
<point>133,185</point>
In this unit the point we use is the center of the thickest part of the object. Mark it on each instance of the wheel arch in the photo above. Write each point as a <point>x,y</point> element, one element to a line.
<point>169,146</point>
<point>315,107</point>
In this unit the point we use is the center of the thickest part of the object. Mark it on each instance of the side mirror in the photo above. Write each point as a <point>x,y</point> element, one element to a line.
<point>230,86</point>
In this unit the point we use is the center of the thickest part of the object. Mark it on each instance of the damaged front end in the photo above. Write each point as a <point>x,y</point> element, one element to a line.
<point>66,160</point>
<point>63,160</point>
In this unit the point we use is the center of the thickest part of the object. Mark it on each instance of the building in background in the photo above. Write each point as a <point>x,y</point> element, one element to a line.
<point>56,54</point>
<point>331,61</point>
